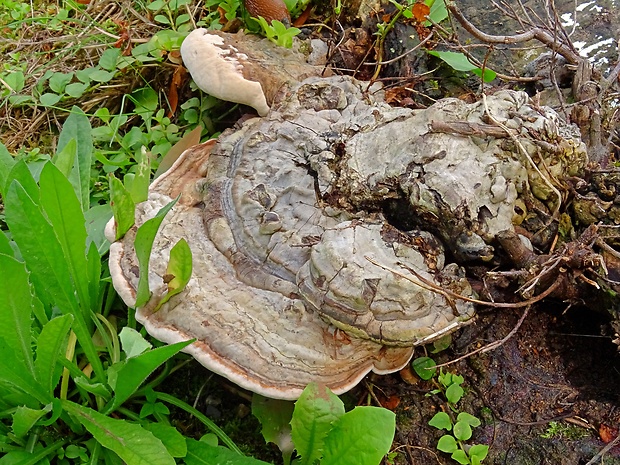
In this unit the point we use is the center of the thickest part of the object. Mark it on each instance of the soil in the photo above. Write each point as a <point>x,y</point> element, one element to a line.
<point>556,368</point>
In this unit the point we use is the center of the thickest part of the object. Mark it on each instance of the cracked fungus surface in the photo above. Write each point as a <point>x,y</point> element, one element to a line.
<point>314,228</point>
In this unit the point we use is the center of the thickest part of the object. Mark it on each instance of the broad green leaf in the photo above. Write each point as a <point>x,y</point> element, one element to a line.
<point>50,345</point>
<point>76,89</point>
<point>456,60</point>
<point>6,164</point>
<point>65,158</point>
<point>38,457</point>
<point>201,453</point>
<point>97,218</point>
<point>360,437</point>
<point>139,184</point>
<point>459,62</point>
<point>424,367</point>
<point>77,126</point>
<point>16,300</point>
<point>275,418</point>
<point>123,206</point>
<point>179,270</point>
<point>479,452</point>
<point>462,431</point>
<point>146,101</point>
<point>22,174</point>
<point>63,210</point>
<point>13,376</point>
<point>210,439</point>
<point>98,389</point>
<point>40,248</point>
<point>170,437</point>
<point>132,342</point>
<point>441,420</point>
<point>100,75</point>
<point>49,99</point>
<point>109,59</point>
<point>447,444</point>
<point>315,412</point>
<point>133,444</point>
<point>44,258</point>
<point>15,81</point>
<point>468,418</point>
<point>454,393</point>
<point>5,245</point>
<point>21,99</point>
<point>25,418</point>
<point>442,343</point>
<point>438,12</point>
<point>131,373</point>
<point>460,456</point>
<point>59,81</point>
<point>143,243</point>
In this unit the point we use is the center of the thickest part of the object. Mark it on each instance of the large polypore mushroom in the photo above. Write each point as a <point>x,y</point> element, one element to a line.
<point>318,232</point>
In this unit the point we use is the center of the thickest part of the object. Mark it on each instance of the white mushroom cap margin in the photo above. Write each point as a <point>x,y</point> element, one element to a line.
<point>217,69</point>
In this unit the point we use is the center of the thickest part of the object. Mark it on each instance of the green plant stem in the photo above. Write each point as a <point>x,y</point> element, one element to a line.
<point>42,453</point>
<point>94,456</point>
<point>33,438</point>
<point>203,418</point>
<point>381,39</point>
<point>130,414</point>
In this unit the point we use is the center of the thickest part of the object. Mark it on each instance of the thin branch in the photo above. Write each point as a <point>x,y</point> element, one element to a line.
<point>492,345</point>
<point>535,33</point>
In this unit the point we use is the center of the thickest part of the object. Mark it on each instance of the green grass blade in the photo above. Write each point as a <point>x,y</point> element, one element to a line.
<point>5,245</point>
<point>223,437</point>
<point>133,444</point>
<point>40,248</point>
<point>44,258</point>
<point>123,206</point>
<point>143,244</point>
<point>13,375</point>
<point>77,127</point>
<point>16,300</point>
<point>201,453</point>
<point>133,371</point>
<point>179,269</point>
<point>6,164</point>
<point>63,210</point>
<point>21,173</point>
<point>50,346</point>
<point>65,158</point>
<point>94,277</point>
<point>96,219</point>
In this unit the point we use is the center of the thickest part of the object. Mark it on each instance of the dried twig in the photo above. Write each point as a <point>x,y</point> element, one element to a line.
<point>536,33</point>
<point>492,345</point>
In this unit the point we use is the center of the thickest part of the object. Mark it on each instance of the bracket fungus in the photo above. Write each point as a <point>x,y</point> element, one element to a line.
<point>318,232</point>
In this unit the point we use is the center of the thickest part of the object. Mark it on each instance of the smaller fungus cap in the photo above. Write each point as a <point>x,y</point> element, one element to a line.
<point>218,69</point>
<point>244,68</point>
